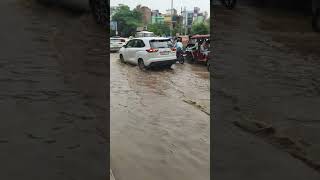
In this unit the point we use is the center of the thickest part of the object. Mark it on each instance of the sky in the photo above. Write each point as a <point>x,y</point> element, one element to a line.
<point>163,5</point>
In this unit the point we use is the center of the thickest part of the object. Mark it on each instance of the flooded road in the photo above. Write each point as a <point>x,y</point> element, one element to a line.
<point>266,72</point>
<point>51,112</point>
<point>159,122</point>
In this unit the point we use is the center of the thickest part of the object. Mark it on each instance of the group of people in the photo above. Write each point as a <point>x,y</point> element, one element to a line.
<point>203,46</point>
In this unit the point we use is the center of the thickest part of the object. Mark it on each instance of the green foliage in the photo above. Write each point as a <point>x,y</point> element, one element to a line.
<point>127,20</point>
<point>177,29</point>
<point>112,32</point>
<point>159,29</point>
<point>200,28</point>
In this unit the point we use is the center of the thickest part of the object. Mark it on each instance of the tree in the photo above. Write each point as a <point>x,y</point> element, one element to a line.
<point>127,20</point>
<point>112,32</point>
<point>200,28</point>
<point>177,29</point>
<point>159,29</point>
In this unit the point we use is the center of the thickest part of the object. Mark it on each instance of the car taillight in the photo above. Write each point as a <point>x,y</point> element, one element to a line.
<point>151,50</point>
<point>173,49</point>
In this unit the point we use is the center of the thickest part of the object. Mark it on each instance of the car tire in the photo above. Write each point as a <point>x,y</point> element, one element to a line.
<point>316,20</point>
<point>141,65</point>
<point>121,58</point>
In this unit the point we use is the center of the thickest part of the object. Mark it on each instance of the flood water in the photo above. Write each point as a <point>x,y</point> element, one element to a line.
<point>159,122</point>
<point>266,70</point>
<point>51,112</point>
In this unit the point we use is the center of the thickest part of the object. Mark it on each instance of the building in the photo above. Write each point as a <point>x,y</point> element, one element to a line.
<point>196,10</point>
<point>146,14</point>
<point>206,15</point>
<point>174,12</point>
<point>157,19</point>
<point>167,19</point>
<point>187,20</point>
<point>155,13</point>
<point>177,20</point>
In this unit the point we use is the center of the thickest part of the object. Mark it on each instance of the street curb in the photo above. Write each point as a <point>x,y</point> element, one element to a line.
<point>111,175</point>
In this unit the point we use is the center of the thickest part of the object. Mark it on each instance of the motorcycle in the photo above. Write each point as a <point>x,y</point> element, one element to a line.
<point>180,56</point>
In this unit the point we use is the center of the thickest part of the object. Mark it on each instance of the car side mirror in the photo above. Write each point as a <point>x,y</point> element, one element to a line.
<point>125,46</point>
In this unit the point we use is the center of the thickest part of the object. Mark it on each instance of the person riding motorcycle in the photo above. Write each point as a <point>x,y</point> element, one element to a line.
<point>179,49</point>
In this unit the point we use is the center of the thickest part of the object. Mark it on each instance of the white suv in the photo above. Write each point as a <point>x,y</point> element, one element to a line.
<point>148,52</point>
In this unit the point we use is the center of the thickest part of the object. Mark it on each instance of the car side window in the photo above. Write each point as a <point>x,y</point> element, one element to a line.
<point>140,44</point>
<point>131,43</point>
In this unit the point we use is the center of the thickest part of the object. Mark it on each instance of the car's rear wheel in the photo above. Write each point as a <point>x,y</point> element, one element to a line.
<point>316,20</point>
<point>141,65</point>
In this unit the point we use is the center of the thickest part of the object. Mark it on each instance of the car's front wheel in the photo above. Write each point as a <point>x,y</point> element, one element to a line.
<point>141,65</point>
<point>121,58</point>
<point>316,20</point>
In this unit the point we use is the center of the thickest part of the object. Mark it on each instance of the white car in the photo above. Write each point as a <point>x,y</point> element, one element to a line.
<point>148,52</point>
<point>117,43</point>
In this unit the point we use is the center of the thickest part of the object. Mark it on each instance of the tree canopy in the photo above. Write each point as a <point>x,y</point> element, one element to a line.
<point>200,28</point>
<point>159,29</point>
<point>128,20</point>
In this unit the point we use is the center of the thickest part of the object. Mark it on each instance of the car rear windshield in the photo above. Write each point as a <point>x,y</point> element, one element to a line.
<point>161,43</point>
<point>117,40</point>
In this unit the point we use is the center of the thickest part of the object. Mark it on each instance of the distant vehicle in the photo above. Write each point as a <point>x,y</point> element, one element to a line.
<point>148,52</point>
<point>193,51</point>
<point>144,34</point>
<point>116,43</point>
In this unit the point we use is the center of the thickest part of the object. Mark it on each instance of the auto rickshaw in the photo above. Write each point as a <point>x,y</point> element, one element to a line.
<point>194,53</point>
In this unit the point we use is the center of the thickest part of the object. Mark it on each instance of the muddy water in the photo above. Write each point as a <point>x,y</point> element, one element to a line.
<point>267,68</point>
<point>159,122</point>
<point>48,119</point>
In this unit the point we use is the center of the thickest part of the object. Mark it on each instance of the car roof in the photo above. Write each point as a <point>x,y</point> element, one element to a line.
<point>152,38</point>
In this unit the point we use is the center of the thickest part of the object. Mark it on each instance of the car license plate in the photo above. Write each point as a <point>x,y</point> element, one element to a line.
<point>164,53</point>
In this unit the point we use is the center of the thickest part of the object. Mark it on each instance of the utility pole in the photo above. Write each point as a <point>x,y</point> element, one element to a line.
<point>116,28</point>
